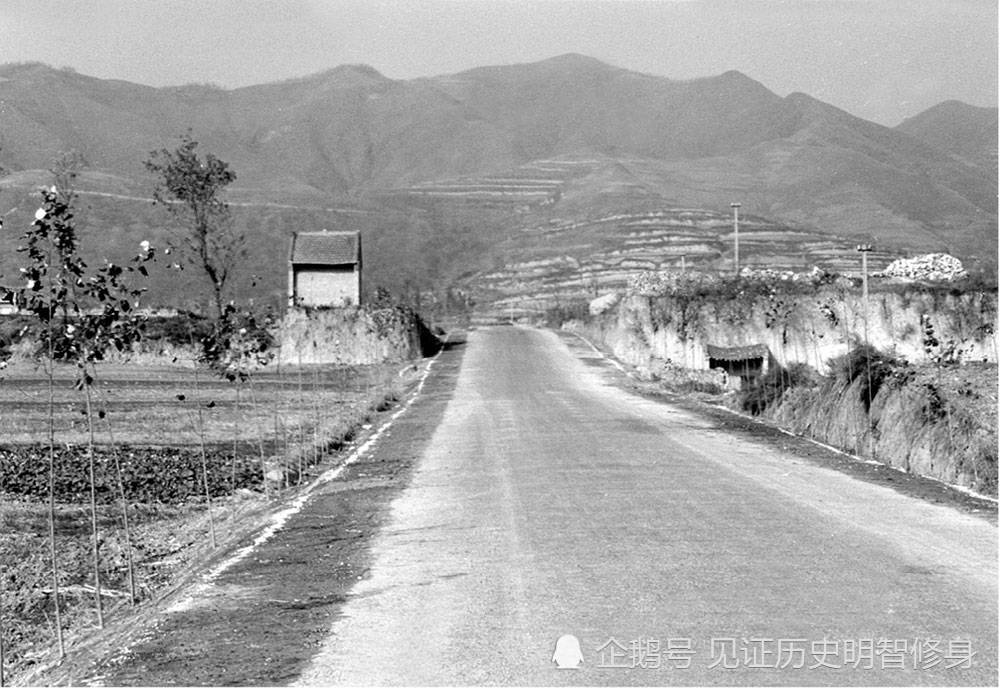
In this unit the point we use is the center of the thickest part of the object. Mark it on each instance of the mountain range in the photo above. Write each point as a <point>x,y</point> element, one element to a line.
<point>441,173</point>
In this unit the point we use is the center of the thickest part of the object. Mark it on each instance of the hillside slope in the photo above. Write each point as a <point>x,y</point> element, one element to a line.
<point>569,138</point>
<point>966,131</point>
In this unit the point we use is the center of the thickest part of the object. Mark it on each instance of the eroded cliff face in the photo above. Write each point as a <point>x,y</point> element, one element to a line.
<point>352,335</point>
<point>933,421</point>
<point>803,328</point>
<point>934,415</point>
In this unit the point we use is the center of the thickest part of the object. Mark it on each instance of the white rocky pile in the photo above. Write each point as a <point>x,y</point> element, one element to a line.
<point>603,303</point>
<point>815,275</point>
<point>929,268</point>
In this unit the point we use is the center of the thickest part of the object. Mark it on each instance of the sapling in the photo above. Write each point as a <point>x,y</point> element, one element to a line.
<point>85,315</point>
<point>204,471</point>
<point>260,438</point>
<point>41,295</point>
<point>940,354</point>
<point>236,437</point>
<point>200,425</point>
<point>316,414</point>
<point>280,426</point>
<point>300,419</point>
<point>234,348</point>
<point>129,560</point>
<point>111,325</point>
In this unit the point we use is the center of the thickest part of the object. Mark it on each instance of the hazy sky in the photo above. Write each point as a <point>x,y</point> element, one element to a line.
<point>880,59</point>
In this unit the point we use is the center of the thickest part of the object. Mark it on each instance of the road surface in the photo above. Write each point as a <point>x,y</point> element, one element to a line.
<point>548,502</point>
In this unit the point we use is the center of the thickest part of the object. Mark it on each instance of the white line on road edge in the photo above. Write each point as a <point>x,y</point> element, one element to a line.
<point>610,360</point>
<point>280,518</point>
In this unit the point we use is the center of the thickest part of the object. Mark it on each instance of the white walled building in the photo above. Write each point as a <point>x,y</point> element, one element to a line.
<point>324,269</point>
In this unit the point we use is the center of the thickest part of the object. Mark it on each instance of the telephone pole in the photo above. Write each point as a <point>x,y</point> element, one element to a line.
<point>736,236</point>
<point>864,249</point>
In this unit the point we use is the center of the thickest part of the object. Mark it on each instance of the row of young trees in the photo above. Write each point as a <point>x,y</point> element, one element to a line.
<point>83,313</point>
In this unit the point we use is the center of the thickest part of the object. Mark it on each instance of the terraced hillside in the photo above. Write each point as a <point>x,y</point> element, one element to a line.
<point>467,177</point>
<point>537,184</point>
<point>565,261</point>
<point>581,227</point>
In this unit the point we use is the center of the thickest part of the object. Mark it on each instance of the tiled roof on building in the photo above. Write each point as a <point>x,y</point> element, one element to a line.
<point>756,351</point>
<point>326,248</point>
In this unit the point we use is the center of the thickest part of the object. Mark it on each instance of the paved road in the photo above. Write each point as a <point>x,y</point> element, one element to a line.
<point>548,502</point>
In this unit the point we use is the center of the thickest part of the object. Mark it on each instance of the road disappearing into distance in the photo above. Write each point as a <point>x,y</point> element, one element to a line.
<point>551,503</point>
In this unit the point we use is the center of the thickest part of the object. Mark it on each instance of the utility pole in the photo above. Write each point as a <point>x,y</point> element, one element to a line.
<point>736,235</point>
<point>865,249</point>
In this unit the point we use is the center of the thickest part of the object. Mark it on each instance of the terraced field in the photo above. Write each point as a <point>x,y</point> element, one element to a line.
<point>565,261</point>
<point>537,184</point>
<point>581,227</point>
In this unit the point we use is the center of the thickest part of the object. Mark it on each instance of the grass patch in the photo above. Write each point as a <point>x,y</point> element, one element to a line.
<point>767,390</point>
<point>556,316</point>
<point>869,366</point>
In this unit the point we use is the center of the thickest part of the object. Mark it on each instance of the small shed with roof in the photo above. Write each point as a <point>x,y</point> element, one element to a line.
<point>744,363</point>
<point>324,269</point>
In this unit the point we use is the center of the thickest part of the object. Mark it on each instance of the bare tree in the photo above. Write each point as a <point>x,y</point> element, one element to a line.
<point>190,187</point>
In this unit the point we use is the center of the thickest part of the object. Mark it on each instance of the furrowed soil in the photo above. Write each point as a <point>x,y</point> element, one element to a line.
<point>304,419</point>
<point>260,620</point>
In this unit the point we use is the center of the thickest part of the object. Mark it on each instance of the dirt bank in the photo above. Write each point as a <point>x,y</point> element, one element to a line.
<point>798,324</point>
<point>354,335</point>
<point>936,416</point>
<point>712,405</point>
<point>930,420</point>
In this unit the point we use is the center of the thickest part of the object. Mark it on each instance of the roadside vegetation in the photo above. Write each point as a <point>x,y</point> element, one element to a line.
<point>159,448</point>
<point>934,419</point>
<point>191,187</point>
<point>925,403</point>
<point>131,446</point>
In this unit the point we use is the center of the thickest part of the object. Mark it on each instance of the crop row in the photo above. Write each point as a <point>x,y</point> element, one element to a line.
<point>167,475</point>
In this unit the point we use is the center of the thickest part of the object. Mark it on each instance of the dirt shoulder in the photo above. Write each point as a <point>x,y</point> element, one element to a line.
<point>259,620</point>
<point>907,484</point>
